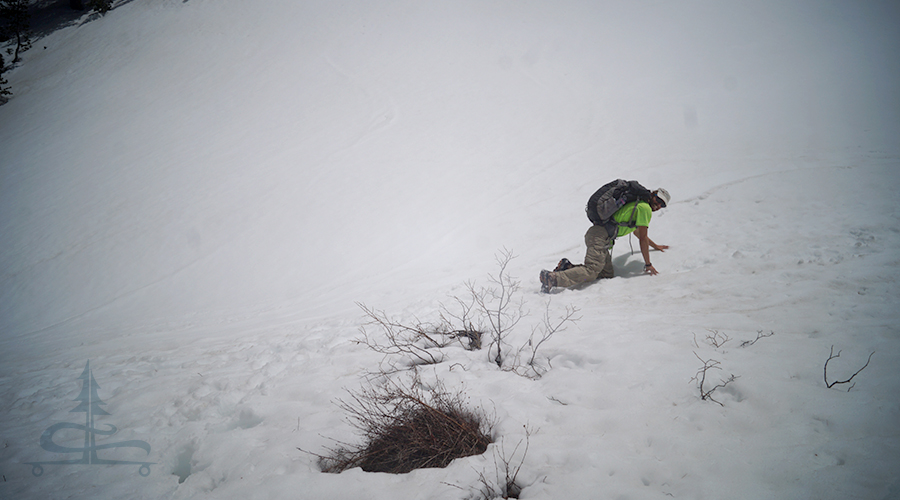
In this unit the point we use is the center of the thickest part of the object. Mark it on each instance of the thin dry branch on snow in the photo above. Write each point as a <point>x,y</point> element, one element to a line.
<point>831,356</point>
<point>700,378</point>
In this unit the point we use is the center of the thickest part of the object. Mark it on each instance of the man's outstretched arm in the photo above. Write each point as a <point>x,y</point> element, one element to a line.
<point>646,243</point>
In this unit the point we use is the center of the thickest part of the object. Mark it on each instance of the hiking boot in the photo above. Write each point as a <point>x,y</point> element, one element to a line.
<point>563,265</point>
<point>548,281</point>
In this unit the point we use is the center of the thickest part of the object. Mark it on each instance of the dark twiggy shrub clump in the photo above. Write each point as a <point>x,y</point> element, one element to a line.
<point>406,428</point>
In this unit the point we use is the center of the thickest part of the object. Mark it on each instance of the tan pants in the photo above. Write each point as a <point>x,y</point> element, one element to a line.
<point>597,260</point>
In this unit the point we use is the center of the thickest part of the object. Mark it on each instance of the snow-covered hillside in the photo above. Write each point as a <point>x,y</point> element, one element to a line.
<point>195,195</point>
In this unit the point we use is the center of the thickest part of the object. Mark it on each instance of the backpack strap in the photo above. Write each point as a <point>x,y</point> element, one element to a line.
<point>612,227</point>
<point>632,220</point>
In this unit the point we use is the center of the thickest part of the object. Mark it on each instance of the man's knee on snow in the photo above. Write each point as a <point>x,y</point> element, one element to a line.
<point>595,269</point>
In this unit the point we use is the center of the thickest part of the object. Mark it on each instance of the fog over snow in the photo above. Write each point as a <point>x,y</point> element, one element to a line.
<point>195,195</point>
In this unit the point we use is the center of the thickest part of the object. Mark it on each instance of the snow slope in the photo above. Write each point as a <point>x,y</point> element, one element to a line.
<point>194,195</point>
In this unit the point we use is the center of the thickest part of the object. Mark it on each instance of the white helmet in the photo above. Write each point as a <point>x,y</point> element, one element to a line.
<point>663,195</point>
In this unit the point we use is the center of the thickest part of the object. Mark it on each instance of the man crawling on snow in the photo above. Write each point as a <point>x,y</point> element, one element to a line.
<point>633,217</point>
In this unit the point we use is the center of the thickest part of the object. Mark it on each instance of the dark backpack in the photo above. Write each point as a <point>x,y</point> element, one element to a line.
<point>613,196</point>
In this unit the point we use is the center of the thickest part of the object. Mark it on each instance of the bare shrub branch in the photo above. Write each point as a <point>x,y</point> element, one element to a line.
<point>407,427</point>
<point>506,470</point>
<point>759,335</point>
<point>716,339</point>
<point>700,378</point>
<point>831,356</point>
<point>413,342</point>
<point>529,367</point>
<point>496,305</point>
<point>467,328</point>
<point>484,316</point>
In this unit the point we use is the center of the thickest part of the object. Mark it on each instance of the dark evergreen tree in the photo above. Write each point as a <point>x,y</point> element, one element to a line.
<point>101,6</point>
<point>4,90</point>
<point>16,20</point>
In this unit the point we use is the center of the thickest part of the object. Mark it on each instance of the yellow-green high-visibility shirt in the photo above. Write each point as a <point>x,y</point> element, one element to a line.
<point>641,215</point>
